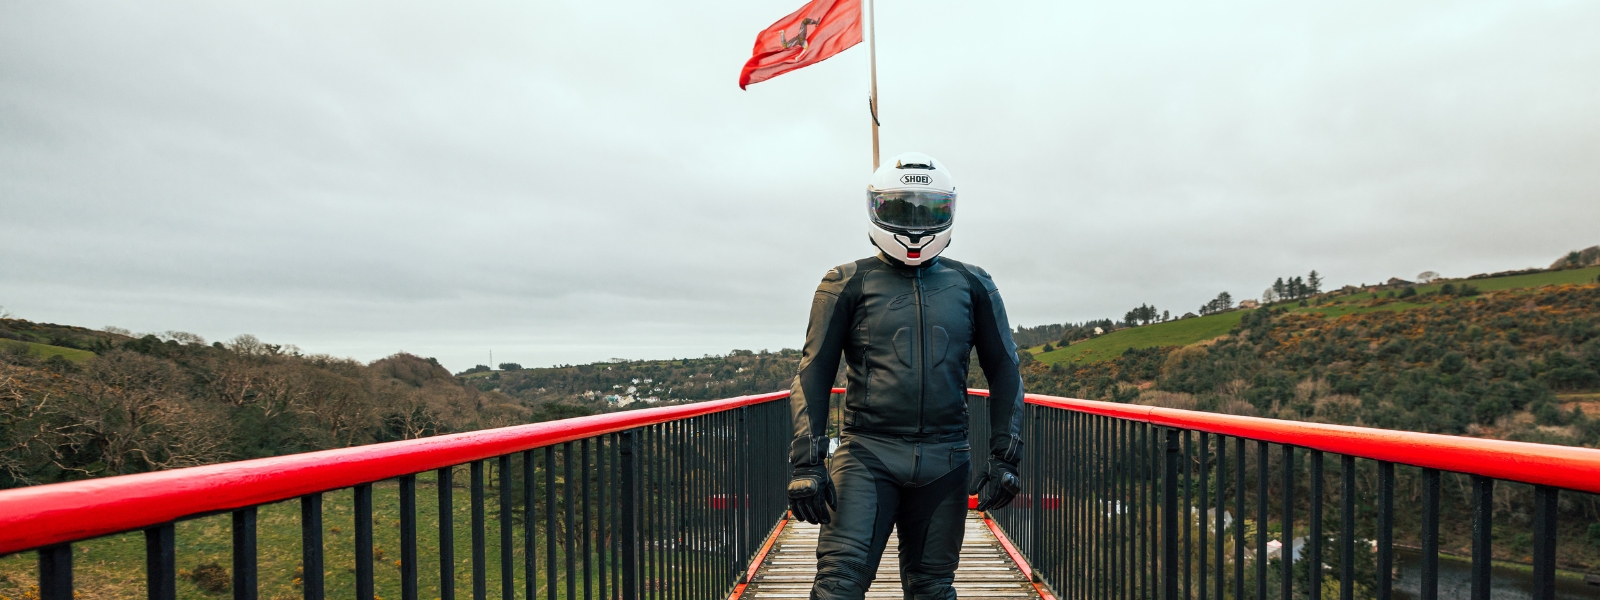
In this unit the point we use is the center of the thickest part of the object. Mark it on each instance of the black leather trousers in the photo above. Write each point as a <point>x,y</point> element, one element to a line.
<point>916,486</point>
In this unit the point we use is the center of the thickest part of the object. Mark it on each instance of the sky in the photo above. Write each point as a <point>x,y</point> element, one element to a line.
<point>564,182</point>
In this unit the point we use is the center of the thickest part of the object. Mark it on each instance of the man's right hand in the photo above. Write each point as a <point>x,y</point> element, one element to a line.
<point>811,494</point>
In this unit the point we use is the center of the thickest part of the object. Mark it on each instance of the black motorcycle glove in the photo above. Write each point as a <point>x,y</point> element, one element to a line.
<point>998,485</point>
<point>811,494</point>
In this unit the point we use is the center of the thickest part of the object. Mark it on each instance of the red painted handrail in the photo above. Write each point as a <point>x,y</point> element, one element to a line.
<point>44,515</point>
<point>52,514</point>
<point>1540,464</point>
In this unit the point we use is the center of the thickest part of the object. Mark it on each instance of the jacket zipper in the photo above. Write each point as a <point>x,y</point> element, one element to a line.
<point>922,355</point>
<point>916,463</point>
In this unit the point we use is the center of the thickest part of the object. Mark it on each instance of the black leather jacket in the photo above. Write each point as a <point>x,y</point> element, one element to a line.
<point>906,334</point>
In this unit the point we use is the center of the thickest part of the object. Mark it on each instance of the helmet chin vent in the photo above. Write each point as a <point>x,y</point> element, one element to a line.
<point>924,166</point>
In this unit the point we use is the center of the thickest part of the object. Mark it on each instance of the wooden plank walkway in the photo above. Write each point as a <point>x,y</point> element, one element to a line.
<point>986,571</point>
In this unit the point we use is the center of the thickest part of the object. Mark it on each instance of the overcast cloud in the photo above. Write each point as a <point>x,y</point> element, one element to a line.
<point>562,182</point>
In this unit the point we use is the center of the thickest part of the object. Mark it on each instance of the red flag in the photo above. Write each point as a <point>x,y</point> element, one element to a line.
<point>820,29</point>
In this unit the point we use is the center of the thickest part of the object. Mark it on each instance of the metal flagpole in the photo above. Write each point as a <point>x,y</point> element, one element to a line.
<point>872,59</point>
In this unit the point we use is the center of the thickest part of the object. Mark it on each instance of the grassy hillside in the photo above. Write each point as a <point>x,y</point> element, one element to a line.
<point>46,351</point>
<point>1572,276</point>
<point>1517,364</point>
<point>77,403</point>
<point>1172,333</point>
<point>1189,331</point>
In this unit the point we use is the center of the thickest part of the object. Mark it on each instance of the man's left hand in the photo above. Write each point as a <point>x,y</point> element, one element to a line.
<point>998,486</point>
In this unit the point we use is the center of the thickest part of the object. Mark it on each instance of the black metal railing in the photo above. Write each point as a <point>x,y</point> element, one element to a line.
<point>1119,508</point>
<point>671,510</point>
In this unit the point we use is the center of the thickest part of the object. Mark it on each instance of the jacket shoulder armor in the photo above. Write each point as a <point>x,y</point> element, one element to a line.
<point>837,278</point>
<point>834,281</point>
<point>982,276</point>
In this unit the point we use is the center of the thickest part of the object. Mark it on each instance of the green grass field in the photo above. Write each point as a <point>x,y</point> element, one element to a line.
<point>1573,276</point>
<point>113,567</point>
<point>1339,310</point>
<point>1532,280</point>
<point>1172,333</point>
<point>46,351</point>
<point>1189,331</point>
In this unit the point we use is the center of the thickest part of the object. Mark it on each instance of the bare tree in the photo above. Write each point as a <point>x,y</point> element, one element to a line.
<point>1427,277</point>
<point>183,337</point>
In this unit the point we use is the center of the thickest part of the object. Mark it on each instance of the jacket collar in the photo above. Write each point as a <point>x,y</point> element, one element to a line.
<point>900,266</point>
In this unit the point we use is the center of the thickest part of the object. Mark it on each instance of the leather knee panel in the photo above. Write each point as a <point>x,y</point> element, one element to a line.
<point>936,582</point>
<point>841,579</point>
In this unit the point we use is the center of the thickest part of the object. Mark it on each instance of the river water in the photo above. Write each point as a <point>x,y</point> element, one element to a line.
<point>1455,581</point>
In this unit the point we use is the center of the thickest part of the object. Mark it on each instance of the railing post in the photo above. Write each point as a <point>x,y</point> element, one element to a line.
<point>629,495</point>
<point>1169,519</point>
<point>244,554</point>
<point>1034,478</point>
<point>366,585</point>
<point>408,537</point>
<point>161,563</point>
<point>1482,535</point>
<point>447,533</point>
<point>742,536</point>
<point>55,572</point>
<point>1544,542</point>
<point>311,583</point>
<point>1430,534</point>
<point>1385,530</point>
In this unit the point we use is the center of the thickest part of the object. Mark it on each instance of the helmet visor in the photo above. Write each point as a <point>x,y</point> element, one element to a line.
<point>911,209</point>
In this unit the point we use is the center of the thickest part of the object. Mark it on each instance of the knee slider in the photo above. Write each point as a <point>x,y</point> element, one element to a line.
<point>844,573</point>
<point>929,586</point>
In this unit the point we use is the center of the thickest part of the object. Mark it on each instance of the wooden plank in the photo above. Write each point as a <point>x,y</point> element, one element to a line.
<point>985,569</point>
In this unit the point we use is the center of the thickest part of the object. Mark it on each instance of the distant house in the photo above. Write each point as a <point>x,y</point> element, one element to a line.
<point>1397,281</point>
<point>1249,304</point>
<point>1098,331</point>
<point>1188,316</point>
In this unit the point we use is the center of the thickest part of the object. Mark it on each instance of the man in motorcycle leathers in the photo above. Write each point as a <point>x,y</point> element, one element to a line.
<point>906,322</point>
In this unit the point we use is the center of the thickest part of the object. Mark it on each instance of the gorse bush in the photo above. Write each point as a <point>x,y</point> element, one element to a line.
<point>1444,368</point>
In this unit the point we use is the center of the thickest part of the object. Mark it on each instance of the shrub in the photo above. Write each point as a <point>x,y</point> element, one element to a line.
<point>1452,363</point>
<point>1490,408</point>
<point>1548,413</point>
<point>1407,292</point>
<point>210,577</point>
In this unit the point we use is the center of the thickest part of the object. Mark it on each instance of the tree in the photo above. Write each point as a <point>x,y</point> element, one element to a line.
<point>1269,296</point>
<point>1279,289</point>
<point>1427,277</point>
<point>1165,316</point>
<point>1314,282</point>
<point>1222,302</point>
<point>510,366</point>
<point>1143,314</point>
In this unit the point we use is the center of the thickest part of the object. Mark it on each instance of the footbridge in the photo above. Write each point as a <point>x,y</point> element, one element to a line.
<point>687,503</point>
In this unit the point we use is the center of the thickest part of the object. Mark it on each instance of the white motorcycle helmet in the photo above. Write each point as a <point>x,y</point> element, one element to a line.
<point>912,205</point>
